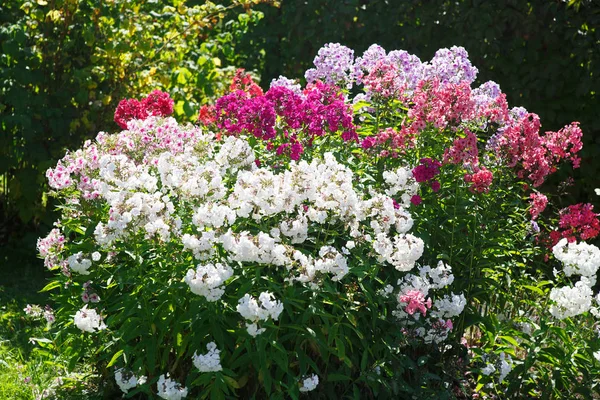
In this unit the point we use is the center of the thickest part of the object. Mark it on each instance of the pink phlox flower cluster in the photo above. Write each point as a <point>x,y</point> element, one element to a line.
<point>415,302</point>
<point>577,221</point>
<point>382,80</point>
<point>480,180</point>
<point>442,106</point>
<point>443,325</point>
<point>538,204</point>
<point>389,142</point>
<point>565,144</point>
<point>380,71</point>
<point>463,151</point>
<point>536,156</point>
<point>156,104</point>
<point>491,102</point>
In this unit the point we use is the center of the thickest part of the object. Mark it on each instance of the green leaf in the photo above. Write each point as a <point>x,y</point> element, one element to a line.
<point>114,358</point>
<point>52,285</point>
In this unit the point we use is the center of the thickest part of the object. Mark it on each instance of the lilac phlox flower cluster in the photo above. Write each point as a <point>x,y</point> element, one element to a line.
<point>287,83</point>
<point>451,66</point>
<point>310,383</point>
<point>209,362</point>
<point>333,65</point>
<point>88,320</point>
<point>208,280</point>
<point>126,380</point>
<point>251,310</point>
<point>486,94</point>
<point>169,389</point>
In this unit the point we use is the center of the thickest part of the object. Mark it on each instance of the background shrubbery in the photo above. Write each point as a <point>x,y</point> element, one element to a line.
<point>66,64</point>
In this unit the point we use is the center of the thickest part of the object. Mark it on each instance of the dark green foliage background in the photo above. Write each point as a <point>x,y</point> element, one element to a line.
<point>545,54</point>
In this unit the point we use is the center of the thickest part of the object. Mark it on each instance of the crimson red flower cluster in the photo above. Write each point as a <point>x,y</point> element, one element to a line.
<point>157,104</point>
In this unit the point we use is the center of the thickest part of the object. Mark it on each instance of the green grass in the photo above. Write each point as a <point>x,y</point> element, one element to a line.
<point>27,367</point>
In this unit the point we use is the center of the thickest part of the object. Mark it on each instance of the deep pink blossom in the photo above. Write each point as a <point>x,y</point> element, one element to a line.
<point>577,222</point>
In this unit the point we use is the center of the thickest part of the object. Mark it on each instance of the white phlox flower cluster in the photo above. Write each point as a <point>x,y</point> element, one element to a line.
<point>88,320</point>
<point>79,264</point>
<point>449,306</point>
<point>169,389</point>
<point>503,365</point>
<point>209,362</point>
<point>310,383</point>
<point>571,301</point>
<point>126,380</point>
<point>214,216</point>
<point>402,251</point>
<point>207,280</point>
<point>203,247</point>
<point>296,229</point>
<point>330,261</point>
<point>401,181</point>
<point>235,154</point>
<point>251,310</point>
<point>174,184</point>
<point>578,258</point>
<point>380,209</point>
<point>262,249</point>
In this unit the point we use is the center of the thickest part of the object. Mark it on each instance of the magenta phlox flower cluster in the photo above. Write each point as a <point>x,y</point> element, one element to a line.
<point>288,120</point>
<point>426,171</point>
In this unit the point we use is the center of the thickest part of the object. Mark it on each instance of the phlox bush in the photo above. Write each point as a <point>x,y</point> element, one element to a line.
<point>367,236</point>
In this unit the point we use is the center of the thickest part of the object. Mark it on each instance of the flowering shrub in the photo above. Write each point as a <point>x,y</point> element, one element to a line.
<point>316,242</point>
